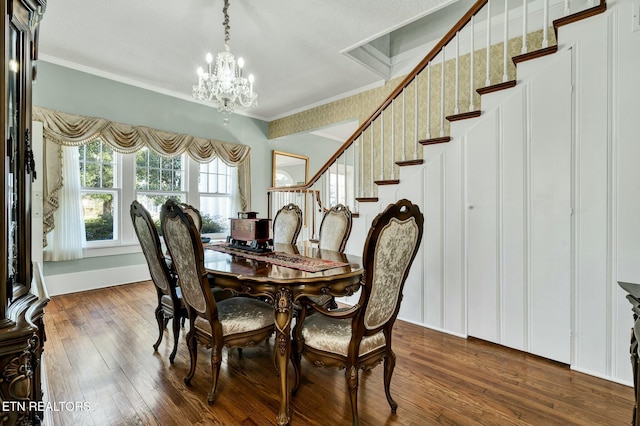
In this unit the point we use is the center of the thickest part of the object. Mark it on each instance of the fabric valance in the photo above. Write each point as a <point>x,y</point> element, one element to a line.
<point>61,128</point>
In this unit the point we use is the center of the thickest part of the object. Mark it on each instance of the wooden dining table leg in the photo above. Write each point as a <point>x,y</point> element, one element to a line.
<point>283,317</point>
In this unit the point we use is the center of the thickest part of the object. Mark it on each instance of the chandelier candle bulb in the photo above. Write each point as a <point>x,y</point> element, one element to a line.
<point>240,65</point>
<point>200,71</point>
<point>209,60</point>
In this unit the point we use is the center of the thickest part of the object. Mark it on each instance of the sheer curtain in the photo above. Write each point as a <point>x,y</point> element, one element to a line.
<point>66,241</point>
<point>235,205</point>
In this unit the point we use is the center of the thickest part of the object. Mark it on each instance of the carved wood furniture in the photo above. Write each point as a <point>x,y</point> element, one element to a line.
<point>633,297</point>
<point>360,337</point>
<point>234,322</point>
<point>218,293</point>
<point>170,303</point>
<point>284,286</point>
<point>287,224</point>
<point>23,295</point>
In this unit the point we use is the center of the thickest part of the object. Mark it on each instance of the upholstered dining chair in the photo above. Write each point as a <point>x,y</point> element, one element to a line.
<point>170,303</point>
<point>287,224</point>
<point>234,322</point>
<point>218,293</point>
<point>194,213</point>
<point>360,337</point>
<point>335,229</point>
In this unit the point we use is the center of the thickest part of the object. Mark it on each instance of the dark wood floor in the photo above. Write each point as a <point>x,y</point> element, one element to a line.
<point>99,351</point>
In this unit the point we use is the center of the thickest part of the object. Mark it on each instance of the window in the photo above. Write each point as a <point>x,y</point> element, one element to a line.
<point>340,183</point>
<point>110,181</point>
<point>99,191</point>
<point>283,178</point>
<point>159,178</point>
<point>214,186</point>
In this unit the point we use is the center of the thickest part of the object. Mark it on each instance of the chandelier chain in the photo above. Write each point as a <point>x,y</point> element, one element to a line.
<point>226,22</point>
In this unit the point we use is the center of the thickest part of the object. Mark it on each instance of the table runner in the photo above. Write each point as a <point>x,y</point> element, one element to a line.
<point>295,261</point>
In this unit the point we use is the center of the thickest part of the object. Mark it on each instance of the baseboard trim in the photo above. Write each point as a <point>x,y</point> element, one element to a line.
<point>100,278</point>
<point>438,329</point>
<point>602,376</point>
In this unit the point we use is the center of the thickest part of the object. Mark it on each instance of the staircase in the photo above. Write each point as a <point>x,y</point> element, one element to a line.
<point>478,56</point>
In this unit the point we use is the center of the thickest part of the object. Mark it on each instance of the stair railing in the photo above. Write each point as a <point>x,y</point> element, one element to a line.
<point>476,56</point>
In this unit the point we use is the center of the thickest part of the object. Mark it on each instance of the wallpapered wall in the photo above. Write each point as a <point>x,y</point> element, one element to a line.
<point>362,105</point>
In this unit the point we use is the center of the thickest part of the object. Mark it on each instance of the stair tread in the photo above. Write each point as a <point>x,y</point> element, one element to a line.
<point>535,54</point>
<point>409,162</point>
<point>433,141</point>
<point>575,17</point>
<point>496,87</point>
<point>387,182</point>
<point>464,115</point>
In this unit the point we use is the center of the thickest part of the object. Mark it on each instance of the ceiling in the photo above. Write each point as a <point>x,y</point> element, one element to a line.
<point>293,47</point>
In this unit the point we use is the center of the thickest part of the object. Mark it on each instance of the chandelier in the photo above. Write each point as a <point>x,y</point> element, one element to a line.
<point>225,83</point>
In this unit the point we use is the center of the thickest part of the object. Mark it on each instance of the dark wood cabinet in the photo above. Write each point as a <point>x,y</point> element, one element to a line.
<point>23,294</point>
<point>633,296</point>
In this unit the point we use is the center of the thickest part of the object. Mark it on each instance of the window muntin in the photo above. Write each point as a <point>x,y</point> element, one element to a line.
<point>98,178</point>
<point>118,179</point>
<point>157,179</point>
<point>158,174</point>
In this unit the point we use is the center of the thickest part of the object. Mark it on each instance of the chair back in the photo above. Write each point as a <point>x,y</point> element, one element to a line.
<point>194,213</point>
<point>287,224</point>
<point>184,244</point>
<point>391,246</point>
<point>150,242</point>
<point>335,228</point>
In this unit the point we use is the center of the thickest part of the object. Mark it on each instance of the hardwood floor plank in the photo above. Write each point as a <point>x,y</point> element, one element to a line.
<point>99,350</point>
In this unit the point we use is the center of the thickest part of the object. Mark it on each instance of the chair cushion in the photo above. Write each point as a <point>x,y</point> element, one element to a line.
<point>322,300</point>
<point>333,335</point>
<point>166,300</point>
<point>240,314</point>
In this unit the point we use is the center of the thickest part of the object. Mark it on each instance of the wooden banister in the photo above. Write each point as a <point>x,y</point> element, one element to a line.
<point>379,113</point>
<point>405,82</point>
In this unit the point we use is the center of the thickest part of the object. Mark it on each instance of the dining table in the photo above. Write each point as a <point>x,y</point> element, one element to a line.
<point>284,276</point>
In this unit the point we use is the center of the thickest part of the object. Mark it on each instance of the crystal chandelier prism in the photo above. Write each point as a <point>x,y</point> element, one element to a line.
<point>224,82</point>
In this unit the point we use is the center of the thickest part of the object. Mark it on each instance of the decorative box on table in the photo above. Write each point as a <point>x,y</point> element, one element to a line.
<point>248,232</point>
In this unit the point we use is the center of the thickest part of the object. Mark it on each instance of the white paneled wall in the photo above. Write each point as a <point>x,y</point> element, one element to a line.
<point>549,208</point>
<point>518,210</point>
<point>481,146</point>
<point>514,277</point>
<point>528,208</point>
